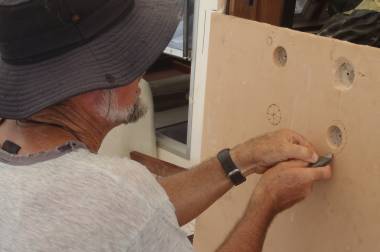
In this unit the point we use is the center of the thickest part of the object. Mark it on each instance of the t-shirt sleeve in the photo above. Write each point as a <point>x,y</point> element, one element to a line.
<point>160,234</point>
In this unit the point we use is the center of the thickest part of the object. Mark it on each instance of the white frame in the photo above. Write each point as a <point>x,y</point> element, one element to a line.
<point>202,16</point>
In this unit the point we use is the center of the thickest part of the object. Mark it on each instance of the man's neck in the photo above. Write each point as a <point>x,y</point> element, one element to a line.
<point>34,138</point>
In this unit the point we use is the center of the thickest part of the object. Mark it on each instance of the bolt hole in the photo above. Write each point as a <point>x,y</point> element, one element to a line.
<point>345,75</point>
<point>280,56</point>
<point>335,137</point>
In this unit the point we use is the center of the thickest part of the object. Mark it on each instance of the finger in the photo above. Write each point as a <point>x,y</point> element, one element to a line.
<point>301,140</point>
<point>322,173</point>
<point>294,164</point>
<point>293,151</point>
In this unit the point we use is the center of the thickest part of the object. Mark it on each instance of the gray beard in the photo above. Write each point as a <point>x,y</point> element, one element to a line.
<point>137,111</point>
<point>127,115</point>
<point>121,115</point>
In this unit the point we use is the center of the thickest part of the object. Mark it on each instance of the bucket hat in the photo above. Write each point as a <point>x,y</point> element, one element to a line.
<point>51,50</point>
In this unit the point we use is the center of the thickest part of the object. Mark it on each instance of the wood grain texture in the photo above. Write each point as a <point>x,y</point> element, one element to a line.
<point>249,93</point>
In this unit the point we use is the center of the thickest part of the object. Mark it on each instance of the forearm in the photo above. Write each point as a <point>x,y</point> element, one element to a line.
<point>249,234</point>
<point>193,191</point>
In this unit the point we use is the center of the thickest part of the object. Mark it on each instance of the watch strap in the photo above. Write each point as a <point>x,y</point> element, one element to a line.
<point>230,168</point>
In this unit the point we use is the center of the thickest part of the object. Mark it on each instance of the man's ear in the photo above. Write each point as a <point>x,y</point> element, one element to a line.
<point>90,100</point>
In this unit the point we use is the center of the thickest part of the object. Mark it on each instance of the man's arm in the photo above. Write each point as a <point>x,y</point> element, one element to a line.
<point>156,166</point>
<point>279,189</point>
<point>249,234</point>
<point>193,191</point>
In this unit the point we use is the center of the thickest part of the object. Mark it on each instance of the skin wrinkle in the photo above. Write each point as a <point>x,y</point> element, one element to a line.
<point>109,104</point>
<point>70,118</point>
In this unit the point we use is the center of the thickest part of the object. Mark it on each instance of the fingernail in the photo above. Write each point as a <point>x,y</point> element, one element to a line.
<point>315,157</point>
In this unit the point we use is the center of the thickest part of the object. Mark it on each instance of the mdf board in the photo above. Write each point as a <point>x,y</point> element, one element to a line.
<point>262,78</point>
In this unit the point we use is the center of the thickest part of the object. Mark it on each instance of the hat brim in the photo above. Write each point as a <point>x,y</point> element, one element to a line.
<point>113,59</point>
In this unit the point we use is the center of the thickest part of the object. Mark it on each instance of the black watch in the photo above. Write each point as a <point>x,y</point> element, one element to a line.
<point>232,171</point>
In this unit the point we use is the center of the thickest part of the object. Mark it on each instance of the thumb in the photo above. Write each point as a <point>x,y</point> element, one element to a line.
<point>321,173</point>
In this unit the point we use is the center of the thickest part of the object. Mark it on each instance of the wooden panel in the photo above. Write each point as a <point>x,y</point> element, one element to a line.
<point>320,83</point>
<point>268,11</point>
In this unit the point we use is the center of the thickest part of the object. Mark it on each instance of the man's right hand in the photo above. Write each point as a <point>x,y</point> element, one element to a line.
<point>261,153</point>
<point>278,189</point>
<point>288,183</point>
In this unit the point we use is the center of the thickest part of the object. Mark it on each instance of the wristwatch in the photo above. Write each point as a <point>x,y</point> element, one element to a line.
<point>232,171</point>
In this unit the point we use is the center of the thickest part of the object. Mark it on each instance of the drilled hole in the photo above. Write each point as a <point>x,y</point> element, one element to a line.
<point>335,137</point>
<point>345,75</point>
<point>280,56</point>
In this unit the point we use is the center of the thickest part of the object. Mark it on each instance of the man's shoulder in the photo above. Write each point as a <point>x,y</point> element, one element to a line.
<point>123,172</point>
<point>100,185</point>
<point>81,194</point>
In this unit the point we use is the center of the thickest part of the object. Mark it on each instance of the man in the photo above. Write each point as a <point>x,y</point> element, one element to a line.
<point>69,73</point>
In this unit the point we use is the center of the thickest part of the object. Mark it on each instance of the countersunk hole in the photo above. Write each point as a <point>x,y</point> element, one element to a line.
<point>335,137</point>
<point>280,56</point>
<point>345,75</point>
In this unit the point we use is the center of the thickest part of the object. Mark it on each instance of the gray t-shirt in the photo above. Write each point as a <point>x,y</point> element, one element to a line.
<point>72,200</point>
